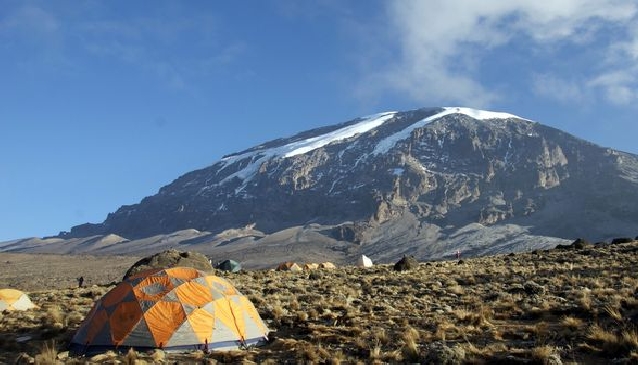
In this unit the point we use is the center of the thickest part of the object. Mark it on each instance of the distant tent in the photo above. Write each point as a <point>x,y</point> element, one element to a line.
<point>178,308</point>
<point>311,266</point>
<point>327,265</point>
<point>288,266</point>
<point>229,265</point>
<point>364,261</point>
<point>12,299</point>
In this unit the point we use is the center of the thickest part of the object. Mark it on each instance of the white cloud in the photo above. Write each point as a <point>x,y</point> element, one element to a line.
<point>440,45</point>
<point>620,86</point>
<point>554,87</point>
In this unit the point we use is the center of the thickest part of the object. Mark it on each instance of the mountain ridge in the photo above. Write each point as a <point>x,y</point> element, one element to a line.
<point>394,183</point>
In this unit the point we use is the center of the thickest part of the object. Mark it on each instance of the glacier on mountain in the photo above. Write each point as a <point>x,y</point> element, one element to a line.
<point>252,160</point>
<point>387,143</point>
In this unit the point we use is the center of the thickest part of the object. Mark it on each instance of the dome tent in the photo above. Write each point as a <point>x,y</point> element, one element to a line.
<point>327,265</point>
<point>177,308</point>
<point>229,265</point>
<point>289,266</point>
<point>13,299</point>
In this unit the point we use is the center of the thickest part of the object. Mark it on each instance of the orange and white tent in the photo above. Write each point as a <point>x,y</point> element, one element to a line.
<point>327,265</point>
<point>289,266</point>
<point>178,308</point>
<point>12,299</point>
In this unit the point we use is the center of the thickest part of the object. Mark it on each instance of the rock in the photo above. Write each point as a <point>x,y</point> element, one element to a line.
<point>620,240</point>
<point>158,356</point>
<point>580,243</point>
<point>553,359</point>
<point>516,289</point>
<point>63,355</point>
<point>170,258</point>
<point>24,358</point>
<point>532,288</point>
<point>439,353</point>
<point>100,358</point>
<point>406,263</point>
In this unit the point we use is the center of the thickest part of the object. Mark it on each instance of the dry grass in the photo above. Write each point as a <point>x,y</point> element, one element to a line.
<point>578,306</point>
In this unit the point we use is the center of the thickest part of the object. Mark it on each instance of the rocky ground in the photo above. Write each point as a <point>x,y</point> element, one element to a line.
<point>573,305</point>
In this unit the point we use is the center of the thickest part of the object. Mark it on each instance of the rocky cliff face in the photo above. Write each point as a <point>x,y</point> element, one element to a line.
<point>440,168</point>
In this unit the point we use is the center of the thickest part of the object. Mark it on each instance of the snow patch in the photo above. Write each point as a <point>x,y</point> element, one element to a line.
<point>387,143</point>
<point>482,114</point>
<point>257,158</point>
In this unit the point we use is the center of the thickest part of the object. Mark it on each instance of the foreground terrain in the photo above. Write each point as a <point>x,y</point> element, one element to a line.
<point>574,305</point>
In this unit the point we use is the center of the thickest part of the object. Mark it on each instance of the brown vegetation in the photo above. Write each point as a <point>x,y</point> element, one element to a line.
<point>546,307</point>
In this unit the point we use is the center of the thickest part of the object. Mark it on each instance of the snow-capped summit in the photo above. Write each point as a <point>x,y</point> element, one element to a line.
<point>414,182</point>
<point>257,157</point>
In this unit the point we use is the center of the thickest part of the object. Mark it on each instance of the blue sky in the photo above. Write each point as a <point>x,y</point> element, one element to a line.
<point>104,102</point>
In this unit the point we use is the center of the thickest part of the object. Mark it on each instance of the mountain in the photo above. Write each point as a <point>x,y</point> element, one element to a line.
<point>424,182</point>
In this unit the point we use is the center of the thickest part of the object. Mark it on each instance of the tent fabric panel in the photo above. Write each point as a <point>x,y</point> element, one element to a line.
<point>129,297</point>
<point>184,273</point>
<point>202,322</point>
<point>171,296</point>
<point>97,330</point>
<point>220,284</point>
<point>237,310</point>
<point>139,336</point>
<point>183,335</point>
<point>222,332</point>
<point>146,304</point>
<point>123,319</point>
<point>225,316</point>
<point>177,281</point>
<point>193,293</point>
<point>252,328</point>
<point>10,295</point>
<point>146,273</point>
<point>117,294</point>
<point>153,288</point>
<point>163,319</point>
<point>224,345</point>
<point>253,319</point>
<point>255,341</point>
<point>87,322</point>
<point>23,303</point>
<point>188,308</point>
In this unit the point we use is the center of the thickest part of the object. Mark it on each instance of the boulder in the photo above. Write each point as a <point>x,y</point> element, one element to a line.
<point>170,258</point>
<point>406,263</point>
<point>620,240</point>
<point>532,287</point>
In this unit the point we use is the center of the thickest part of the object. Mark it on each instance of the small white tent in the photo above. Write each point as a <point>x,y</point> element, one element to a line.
<point>12,299</point>
<point>364,261</point>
